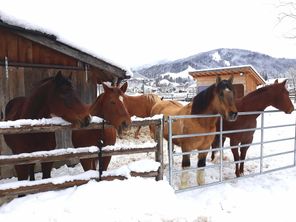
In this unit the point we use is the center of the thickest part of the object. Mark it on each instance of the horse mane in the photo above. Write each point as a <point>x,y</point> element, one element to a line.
<point>152,98</point>
<point>258,91</point>
<point>41,82</point>
<point>202,100</point>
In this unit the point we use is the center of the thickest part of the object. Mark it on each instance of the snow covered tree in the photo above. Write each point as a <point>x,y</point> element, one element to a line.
<point>291,74</point>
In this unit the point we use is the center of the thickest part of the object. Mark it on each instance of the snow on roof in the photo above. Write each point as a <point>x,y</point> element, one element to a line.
<point>64,38</point>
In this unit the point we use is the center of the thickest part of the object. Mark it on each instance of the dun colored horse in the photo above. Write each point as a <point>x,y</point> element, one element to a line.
<point>140,106</point>
<point>109,106</point>
<point>275,95</point>
<point>52,96</point>
<point>216,99</point>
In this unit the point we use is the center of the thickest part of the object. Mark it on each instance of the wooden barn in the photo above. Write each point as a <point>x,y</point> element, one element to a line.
<point>27,56</point>
<point>246,78</point>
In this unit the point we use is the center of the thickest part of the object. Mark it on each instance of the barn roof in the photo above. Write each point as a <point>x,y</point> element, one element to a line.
<point>232,70</point>
<point>49,40</point>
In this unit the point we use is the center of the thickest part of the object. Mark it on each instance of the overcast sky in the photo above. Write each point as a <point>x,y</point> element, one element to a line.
<point>138,32</point>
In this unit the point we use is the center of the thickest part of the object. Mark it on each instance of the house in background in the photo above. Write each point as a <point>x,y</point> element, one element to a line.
<point>246,78</point>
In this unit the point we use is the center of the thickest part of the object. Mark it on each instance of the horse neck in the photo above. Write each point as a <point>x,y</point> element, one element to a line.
<point>257,100</point>
<point>136,107</point>
<point>35,106</point>
<point>209,122</point>
<point>96,109</point>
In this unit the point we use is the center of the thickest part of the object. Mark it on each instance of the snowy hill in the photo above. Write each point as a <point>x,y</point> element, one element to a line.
<point>266,65</point>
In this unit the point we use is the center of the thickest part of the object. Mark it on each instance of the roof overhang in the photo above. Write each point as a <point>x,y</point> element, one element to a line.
<point>232,70</point>
<point>112,71</point>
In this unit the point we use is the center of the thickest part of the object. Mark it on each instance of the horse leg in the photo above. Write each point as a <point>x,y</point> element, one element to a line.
<point>243,153</point>
<point>46,169</point>
<point>106,160</point>
<point>88,164</point>
<point>32,172</point>
<point>200,174</point>
<point>22,171</point>
<point>185,174</point>
<point>137,132</point>
<point>235,156</point>
<point>216,144</point>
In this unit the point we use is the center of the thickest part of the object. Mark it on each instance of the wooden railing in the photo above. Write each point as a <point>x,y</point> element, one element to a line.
<point>26,187</point>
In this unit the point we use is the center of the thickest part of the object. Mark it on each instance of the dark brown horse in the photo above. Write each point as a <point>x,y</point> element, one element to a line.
<point>109,106</point>
<point>275,95</point>
<point>140,106</point>
<point>52,96</point>
<point>216,99</point>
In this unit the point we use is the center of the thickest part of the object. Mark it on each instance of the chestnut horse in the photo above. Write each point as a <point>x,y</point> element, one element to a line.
<point>52,96</point>
<point>216,99</point>
<point>109,106</point>
<point>140,106</point>
<point>275,95</point>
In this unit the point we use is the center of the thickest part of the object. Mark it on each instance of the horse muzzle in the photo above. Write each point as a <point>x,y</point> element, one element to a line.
<point>85,121</point>
<point>290,110</point>
<point>232,116</point>
<point>122,127</point>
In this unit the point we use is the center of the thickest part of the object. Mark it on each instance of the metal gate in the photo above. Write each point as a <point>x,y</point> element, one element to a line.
<point>273,148</point>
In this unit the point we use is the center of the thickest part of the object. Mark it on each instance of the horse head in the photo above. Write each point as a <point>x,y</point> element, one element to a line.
<point>111,107</point>
<point>280,97</point>
<point>63,101</point>
<point>226,97</point>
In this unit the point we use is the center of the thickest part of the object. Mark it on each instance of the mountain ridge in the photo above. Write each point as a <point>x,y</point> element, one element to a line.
<point>267,66</point>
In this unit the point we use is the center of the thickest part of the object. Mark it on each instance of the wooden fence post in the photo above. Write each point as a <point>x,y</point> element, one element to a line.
<point>159,152</point>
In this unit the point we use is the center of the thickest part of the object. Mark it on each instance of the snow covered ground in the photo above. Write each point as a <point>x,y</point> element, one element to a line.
<point>267,197</point>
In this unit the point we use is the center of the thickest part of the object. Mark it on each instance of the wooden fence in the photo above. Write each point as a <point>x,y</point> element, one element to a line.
<point>27,187</point>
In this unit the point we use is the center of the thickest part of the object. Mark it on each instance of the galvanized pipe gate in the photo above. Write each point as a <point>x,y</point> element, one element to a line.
<point>222,163</point>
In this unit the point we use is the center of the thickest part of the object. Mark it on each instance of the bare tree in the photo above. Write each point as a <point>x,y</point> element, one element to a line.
<point>287,17</point>
<point>291,75</point>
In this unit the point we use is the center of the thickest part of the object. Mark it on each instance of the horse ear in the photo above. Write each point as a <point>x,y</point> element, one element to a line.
<point>231,79</point>
<point>58,77</point>
<point>276,81</point>
<point>123,88</point>
<point>218,80</point>
<point>284,82</point>
<point>70,76</point>
<point>106,87</point>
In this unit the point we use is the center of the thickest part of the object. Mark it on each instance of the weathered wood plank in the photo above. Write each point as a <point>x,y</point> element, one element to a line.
<point>53,128</point>
<point>21,159</point>
<point>50,186</point>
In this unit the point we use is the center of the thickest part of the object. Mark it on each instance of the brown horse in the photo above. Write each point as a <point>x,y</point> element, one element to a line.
<point>140,106</point>
<point>109,106</point>
<point>52,96</point>
<point>275,95</point>
<point>216,99</point>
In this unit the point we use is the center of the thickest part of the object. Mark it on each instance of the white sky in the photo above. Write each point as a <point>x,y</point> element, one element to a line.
<point>134,32</point>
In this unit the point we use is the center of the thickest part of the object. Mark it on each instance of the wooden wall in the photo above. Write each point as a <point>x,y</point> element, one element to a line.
<point>246,80</point>
<point>29,62</point>
<point>21,50</point>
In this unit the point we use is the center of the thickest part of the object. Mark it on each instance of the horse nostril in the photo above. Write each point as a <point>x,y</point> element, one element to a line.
<point>233,116</point>
<point>86,121</point>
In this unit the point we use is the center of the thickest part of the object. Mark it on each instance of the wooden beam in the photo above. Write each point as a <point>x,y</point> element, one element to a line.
<point>19,159</point>
<point>50,186</point>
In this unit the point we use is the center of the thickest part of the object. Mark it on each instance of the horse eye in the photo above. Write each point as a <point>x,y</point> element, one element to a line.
<point>112,102</point>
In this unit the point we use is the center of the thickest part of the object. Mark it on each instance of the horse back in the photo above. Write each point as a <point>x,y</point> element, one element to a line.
<point>167,108</point>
